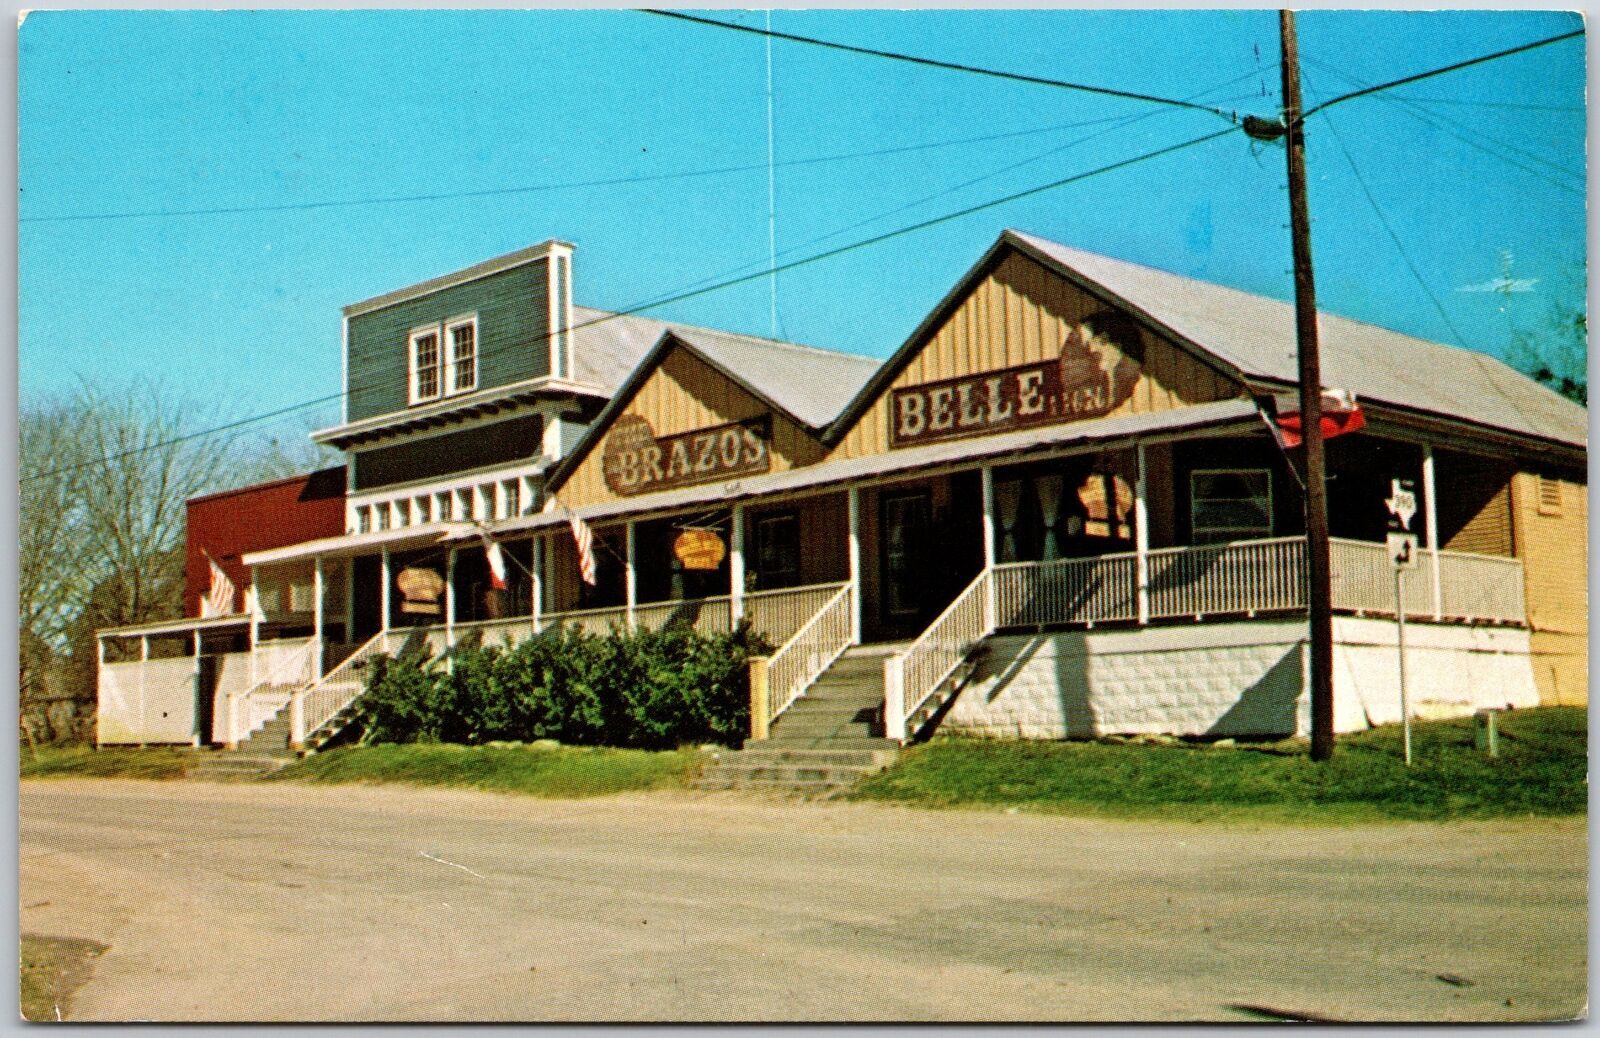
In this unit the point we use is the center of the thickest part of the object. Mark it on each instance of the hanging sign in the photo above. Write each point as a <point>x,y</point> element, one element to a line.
<point>699,549</point>
<point>1098,366</point>
<point>1107,499</point>
<point>421,589</point>
<point>637,461</point>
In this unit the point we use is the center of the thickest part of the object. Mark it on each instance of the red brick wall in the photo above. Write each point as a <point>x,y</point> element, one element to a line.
<point>267,515</point>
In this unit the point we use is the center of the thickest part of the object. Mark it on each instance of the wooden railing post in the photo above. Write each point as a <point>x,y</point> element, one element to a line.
<point>760,721</point>
<point>894,697</point>
<point>1141,538</point>
<point>297,718</point>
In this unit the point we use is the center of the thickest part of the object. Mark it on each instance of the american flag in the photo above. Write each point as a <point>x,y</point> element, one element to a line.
<point>583,536</point>
<point>497,563</point>
<point>218,601</point>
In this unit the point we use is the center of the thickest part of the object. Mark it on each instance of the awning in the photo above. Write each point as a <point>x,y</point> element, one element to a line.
<point>363,543</point>
<point>1096,432</point>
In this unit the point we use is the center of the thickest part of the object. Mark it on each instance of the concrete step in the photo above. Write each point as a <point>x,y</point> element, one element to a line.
<point>831,744</point>
<point>232,764</point>
<point>808,790</point>
<point>762,752</point>
<point>787,773</point>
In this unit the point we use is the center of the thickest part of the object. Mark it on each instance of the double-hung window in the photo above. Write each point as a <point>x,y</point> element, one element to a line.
<point>444,359</point>
<point>1230,504</point>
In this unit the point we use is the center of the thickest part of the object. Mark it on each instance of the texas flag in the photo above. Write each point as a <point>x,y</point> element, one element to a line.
<point>1340,414</point>
<point>497,563</point>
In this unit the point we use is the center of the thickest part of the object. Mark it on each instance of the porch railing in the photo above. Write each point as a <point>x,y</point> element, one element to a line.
<point>321,701</point>
<point>1470,587</point>
<point>287,666</point>
<point>810,650</point>
<point>1089,590</point>
<point>913,677</point>
<point>1238,577</point>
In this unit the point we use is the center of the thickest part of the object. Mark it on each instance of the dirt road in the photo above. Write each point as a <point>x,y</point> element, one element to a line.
<point>263,902</point>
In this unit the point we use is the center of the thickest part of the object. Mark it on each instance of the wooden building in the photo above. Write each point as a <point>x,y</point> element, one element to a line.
<point>1059,509</point>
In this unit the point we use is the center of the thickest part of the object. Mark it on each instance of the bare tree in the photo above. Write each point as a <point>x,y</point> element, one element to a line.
<point>1555,351</point>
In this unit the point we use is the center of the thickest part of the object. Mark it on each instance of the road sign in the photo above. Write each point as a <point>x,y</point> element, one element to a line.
<point>1402,501</point>
<point>1402,549</point>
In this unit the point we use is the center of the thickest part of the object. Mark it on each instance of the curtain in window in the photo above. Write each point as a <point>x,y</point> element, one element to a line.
<point>1049,488</point>
<point>1008,500</point>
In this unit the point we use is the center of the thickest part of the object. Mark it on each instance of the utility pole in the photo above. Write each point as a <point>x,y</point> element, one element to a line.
<point>1319,590</point>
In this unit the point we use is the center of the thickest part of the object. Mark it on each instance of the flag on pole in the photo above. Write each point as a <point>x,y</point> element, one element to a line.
<point>1340,414</point>
<point>497,563</point>
<point>583,536</point>
<point>218,601</point>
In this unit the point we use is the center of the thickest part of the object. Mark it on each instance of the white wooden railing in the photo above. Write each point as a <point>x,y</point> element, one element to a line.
<point>1483,588</point>
<point>1091,591</point>
<point>318,702</point>
<point>282,669</point>
<point>911,678</point>
<point>810,650</point>
<point>1239,577</point>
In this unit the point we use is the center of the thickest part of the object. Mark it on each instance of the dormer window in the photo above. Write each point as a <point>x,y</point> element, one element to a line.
<point>463,336</point>
<point>424,364</point>
<point>444,359</point>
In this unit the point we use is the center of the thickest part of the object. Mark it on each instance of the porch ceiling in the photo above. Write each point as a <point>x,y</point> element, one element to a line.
<point>1240,412</point>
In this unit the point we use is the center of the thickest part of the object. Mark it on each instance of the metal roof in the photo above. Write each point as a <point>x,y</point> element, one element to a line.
<point>1257,335</point>
<point>811,384</point>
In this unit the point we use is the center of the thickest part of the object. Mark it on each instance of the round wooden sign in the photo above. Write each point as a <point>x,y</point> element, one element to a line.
<point>699,549</point>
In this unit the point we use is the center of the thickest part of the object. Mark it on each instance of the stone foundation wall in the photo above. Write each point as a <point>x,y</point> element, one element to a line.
<point>1243,679</point>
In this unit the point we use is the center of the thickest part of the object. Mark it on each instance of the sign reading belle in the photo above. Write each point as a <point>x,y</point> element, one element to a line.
<point>1100,363</point>
<point>635,460</point>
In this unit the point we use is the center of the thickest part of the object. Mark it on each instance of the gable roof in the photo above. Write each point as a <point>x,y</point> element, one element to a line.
<point>805,384</point>
<point>1256,335</point>
<point>1252,339</point>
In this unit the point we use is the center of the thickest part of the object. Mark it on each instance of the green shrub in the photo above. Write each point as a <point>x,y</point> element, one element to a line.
<point>649,690</point>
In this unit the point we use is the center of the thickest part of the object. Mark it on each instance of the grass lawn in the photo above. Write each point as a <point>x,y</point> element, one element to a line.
<point>1542,770</point>
<point>546,771</point>
<point>52,969</point>
<point>85,762</point>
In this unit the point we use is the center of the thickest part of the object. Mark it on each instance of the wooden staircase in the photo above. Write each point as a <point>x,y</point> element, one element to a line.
<point>826,742</point>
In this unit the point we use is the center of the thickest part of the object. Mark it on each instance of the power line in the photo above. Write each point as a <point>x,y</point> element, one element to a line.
<point>1388,229</point>
<point>567,185</point>
<point>1440,71</point>
<point>1437,122</point>
<point>1491,104</point>
<point>951,66</point>
<point>1507,145</point>
<point>682,296</point>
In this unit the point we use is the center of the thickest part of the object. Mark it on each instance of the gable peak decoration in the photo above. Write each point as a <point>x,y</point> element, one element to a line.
<point>1099,364</point>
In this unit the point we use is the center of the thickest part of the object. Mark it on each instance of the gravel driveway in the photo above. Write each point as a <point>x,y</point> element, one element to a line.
<point>284,902</point>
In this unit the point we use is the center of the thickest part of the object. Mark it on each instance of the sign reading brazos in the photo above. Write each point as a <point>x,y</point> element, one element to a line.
<point>636,461</point>
<point>1099,365</point>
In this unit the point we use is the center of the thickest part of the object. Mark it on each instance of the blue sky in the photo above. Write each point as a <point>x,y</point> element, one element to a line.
<point>138,112</point>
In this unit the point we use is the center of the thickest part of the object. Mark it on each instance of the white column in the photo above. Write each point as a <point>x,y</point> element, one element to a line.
<point>1141,535</point>
<point>632,579</point>
<point>855,565</point>
<point>450,599</point>
<point>318,614</point>
<point>144,664</point>
<point>736,563</point>
<point>198,695</point>
<point>253,603</point>
<point>383,594</point>
<point>991,605</point>
<point>1431,523</point>
<point>536,580</point>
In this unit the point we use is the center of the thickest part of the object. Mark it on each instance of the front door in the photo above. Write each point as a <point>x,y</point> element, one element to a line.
<point>908,566</point>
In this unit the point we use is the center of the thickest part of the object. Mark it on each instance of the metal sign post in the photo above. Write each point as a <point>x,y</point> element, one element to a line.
<point>1402,544</point>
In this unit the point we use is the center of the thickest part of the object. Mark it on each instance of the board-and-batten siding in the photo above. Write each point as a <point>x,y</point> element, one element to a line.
<point>1553,546</point>
<point>684,394</point>
<point>1020,314</point>
<point>513,323</point>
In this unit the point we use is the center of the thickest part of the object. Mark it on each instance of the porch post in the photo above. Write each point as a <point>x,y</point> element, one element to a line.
<point>318,615</point>
<point>198,713</point>
<point>855,565</point>
<point>1141,536</point>
<point>253,602</point>
<point>383,595</point>
<point>990,605</point>
<point>736,564</point>
<point>536,580</point>
<point>144,665</point>
<point>632,578</point>
<point>348,568</point>
<point>450,599</point>
<point>1431,522</point>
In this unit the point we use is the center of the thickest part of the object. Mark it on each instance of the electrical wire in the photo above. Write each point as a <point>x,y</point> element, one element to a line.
<point>1377,210</point>
<point>1490,104</point>
<point>563,186</point>
<point>1508,52</point>
<point>683,296</point>
<point>947,65</point>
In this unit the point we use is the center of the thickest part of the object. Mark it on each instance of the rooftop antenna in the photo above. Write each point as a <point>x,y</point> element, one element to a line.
<point>772,201</point>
